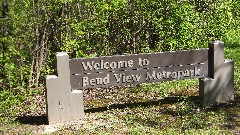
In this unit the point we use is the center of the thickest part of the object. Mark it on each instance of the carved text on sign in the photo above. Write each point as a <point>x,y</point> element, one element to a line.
<point>137,76</point>
<point>101,65</point>
<point>174,75</point>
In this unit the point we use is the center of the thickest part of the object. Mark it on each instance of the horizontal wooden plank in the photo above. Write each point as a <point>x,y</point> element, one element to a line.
<point>137,61</point>
<point>120,78</point>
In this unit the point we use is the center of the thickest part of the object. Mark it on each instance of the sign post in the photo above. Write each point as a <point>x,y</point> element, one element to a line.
<point>218,86</point>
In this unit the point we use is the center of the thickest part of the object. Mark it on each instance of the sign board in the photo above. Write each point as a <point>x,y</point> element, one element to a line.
<point>138,68</point>
<point>64,93</point>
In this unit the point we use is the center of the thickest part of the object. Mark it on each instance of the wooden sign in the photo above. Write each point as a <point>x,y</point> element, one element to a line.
<point>138,68</point>
<point>64,93</point>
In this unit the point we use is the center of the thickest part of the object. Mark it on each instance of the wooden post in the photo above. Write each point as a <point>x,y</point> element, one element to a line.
<point>63,104</point>
<point>218,87</point>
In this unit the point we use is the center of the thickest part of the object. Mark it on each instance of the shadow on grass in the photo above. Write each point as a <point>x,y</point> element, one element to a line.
<point>32,120</point>
<point>42,120</point>
<point>232,113</point>
<point>166,100</point>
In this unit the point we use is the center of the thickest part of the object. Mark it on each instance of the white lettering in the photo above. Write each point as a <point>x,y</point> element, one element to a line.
<point>130,63</point>
<point>168,74</point>
<point>106,80</point>
<point>113,65</point>
<point>174,75</point>
<point>97,66</point>
<point>117,77</point>
<point>151,76</point>
<point>136,78</point>
<point>196,71</point>
<point>88,66</point>
<point>143,62</point>
<point>85,81</point>
<point>101,65</point>
<point>187,73</point>
<point>128,79</point>
<point>92,82</point>
<point>122,64</point>
<point>96,81</point>
<point>159,75</point>
<point>105,65</point>
<point>122,78</point>
<point>180,74</point>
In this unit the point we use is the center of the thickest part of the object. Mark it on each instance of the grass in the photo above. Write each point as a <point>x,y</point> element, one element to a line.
<point>157,108</point>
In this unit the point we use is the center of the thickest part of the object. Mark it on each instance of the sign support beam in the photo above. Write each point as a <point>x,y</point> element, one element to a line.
<point>218,87</point>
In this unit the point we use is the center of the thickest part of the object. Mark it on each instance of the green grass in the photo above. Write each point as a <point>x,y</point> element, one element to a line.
<point>233,53</point>
<point>154,120</point>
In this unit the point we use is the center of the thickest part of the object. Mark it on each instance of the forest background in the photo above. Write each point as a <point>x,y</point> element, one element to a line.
<point>32,31</point>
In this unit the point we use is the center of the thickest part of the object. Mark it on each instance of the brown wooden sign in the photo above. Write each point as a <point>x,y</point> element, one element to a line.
<point>137,61</point>
<point>138,68</point>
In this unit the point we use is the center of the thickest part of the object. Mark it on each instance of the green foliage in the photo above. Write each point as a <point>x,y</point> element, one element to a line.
<point>116,27</point>
<point>9,104</point>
